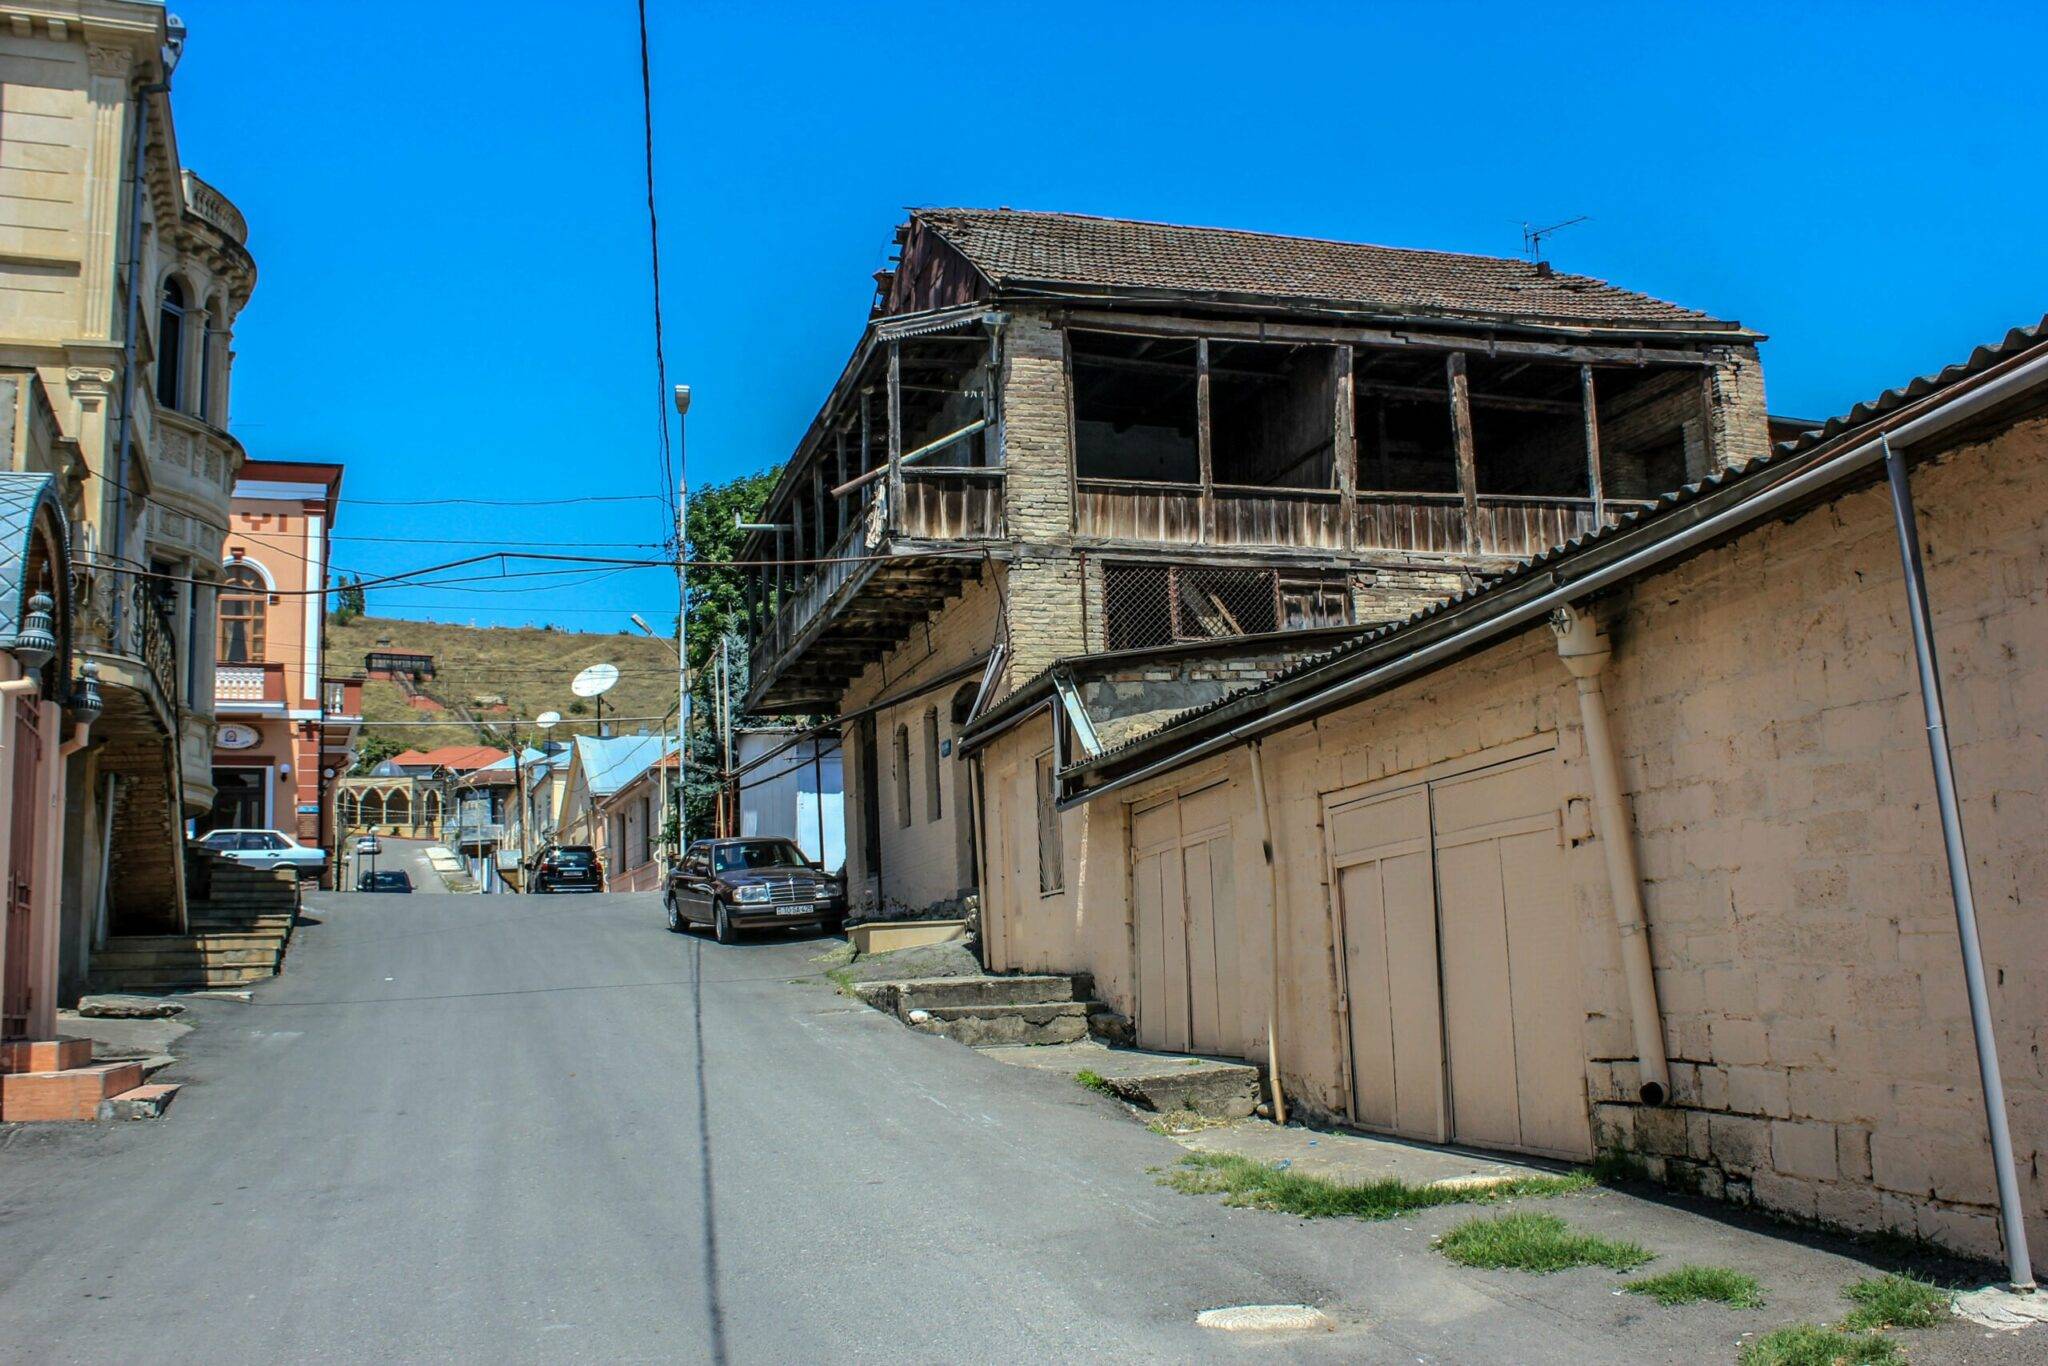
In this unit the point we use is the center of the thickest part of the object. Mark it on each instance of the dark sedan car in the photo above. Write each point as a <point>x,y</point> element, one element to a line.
<point>388,881</point>
<point>751,884</point>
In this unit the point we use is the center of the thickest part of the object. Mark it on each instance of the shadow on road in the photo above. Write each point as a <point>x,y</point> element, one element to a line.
<point>714,1307</point>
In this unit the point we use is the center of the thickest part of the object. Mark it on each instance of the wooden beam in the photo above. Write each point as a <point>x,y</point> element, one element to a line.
<point>1344,446</point>
<point>1461,443</point>
<point>840,469</point>
<point>1204,442</point>
<point>1422,393</point>
<point>1592,419</point>
<point>895,431</point>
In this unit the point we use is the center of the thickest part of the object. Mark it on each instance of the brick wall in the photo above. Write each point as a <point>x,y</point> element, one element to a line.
<point>1764,703</point>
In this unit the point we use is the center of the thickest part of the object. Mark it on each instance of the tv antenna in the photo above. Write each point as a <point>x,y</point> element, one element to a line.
<point>1532,238</point>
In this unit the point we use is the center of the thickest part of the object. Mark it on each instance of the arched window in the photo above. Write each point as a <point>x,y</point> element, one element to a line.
<point>170,345</point>
<point>372,810</point>
<point>398,809</point>
<point>243,596</point>
<point>208,339</point>
<point>931,764</point>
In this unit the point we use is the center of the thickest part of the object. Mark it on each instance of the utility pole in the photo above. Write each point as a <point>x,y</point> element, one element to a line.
<point>728,805</point>
<point>682,616</point>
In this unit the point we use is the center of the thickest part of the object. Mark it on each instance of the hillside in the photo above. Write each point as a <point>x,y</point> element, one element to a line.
<point>486,675</point>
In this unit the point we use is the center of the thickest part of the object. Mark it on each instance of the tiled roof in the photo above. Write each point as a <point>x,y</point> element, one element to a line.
<point>1863,414</point>
<point>461,758</point>
<point>1014,248</point>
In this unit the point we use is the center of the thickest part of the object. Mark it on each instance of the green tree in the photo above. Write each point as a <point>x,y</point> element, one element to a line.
<point>373,750</point>
<point>718,607</point>
<point>349,600</point>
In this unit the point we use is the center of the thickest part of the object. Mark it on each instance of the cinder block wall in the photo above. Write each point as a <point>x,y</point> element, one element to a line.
<point>1764,702</point>
<point>1045,578</point>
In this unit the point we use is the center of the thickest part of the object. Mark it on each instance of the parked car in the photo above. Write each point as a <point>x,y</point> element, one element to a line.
<point>265,849</point>
<point>369,844</point>
<point>746,884</point>
<point>567,868</point>
<point>388,881</point>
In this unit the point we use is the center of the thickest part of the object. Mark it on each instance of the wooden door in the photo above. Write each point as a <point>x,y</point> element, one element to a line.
<point>1386,904</point>
<point>1512,1008</point>
<point>1209,891</point>
<point>17,1000</point>
<point>1160,917</point>
<point>1458,952</point>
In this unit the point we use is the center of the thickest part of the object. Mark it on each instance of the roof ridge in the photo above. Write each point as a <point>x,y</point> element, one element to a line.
<point>1271,236</point>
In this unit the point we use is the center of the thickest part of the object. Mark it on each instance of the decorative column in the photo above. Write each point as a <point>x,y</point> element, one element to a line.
<point>105,186</point>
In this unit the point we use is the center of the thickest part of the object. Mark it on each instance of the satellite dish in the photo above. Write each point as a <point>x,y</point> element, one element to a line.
<point>595,681</point>
<point>547,720</point>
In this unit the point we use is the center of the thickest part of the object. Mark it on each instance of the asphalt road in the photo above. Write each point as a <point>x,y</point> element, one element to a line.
<point>546,1129</point>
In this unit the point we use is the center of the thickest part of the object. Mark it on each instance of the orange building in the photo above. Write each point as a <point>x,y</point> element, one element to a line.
<point>285,727</point>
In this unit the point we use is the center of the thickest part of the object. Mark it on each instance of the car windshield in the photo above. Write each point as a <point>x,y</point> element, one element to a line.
<point>398,881</point>
<point>761,854</point>
<point>573,858</point>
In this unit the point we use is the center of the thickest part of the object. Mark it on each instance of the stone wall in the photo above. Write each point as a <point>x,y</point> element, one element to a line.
<point>1764,702</point>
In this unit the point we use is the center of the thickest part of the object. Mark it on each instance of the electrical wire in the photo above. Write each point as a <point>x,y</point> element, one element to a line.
<point>668,479</point>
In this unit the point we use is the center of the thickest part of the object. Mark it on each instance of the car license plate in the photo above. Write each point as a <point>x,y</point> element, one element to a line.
<point>792,910</point>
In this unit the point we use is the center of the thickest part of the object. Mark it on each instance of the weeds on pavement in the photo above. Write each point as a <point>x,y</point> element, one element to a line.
<point>1895,1302</point>
<point>1094,1081</point>
<point>1526,1241</point>
<point>1689,1284</point>
<point>1256,1185</point>
<point>1809,1344</point>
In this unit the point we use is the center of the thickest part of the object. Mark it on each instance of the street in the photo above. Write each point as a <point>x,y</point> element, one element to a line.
<point>546,1129</point>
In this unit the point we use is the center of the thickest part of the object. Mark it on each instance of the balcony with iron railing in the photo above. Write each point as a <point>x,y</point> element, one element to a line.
<point>121,623</point>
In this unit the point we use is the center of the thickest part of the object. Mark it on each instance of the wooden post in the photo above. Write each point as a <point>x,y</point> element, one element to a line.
<point>1204,447</point>
<point>1592,419</point>
<point>866,442</point>
<point>820,541</point>
<point>1344,446</point>
<point>1461,442</point>
<point>895,433</point>
<point>839,503</point>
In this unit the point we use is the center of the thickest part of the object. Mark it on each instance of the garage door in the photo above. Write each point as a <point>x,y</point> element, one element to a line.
<point>1461,979</point>
<point>1182,892</point>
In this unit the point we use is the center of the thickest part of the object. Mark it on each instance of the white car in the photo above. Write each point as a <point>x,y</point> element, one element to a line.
<point>265,849</point>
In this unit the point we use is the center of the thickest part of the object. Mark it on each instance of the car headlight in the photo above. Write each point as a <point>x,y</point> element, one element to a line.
<point>756,891</point>
<point>825,894</point>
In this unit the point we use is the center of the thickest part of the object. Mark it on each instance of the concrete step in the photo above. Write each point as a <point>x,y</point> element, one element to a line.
<point>931,993</point>
<point>147,1101</point>
<point>114,959</point>
<point>174,978</point>
<point>72,1093</point>
<point>209,940</point>
<point>1217,1090</point>
<point>977,1026</point>
<point>45,1055</point>
<point>214,923</point>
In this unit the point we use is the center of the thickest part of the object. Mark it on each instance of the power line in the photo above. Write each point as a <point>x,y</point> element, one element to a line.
<point>503,502</point>
<point>668,480</point>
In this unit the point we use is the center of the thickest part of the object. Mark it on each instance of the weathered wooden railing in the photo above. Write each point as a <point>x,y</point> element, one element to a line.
<point>950,504</point>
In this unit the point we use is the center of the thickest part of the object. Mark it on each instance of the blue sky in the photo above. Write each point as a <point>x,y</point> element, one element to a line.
<point>447,213</point>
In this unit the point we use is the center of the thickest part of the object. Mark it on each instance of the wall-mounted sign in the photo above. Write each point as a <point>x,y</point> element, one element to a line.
<point>237,737</point>
<point>312,810</point>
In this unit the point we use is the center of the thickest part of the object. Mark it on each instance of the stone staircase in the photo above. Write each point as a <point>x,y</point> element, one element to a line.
<point>57,1079</point>
<point>986,1011</point>
<point>238,923</point>
<point>146,836</point>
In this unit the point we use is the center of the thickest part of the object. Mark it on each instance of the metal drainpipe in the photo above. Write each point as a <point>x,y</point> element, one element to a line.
<point>1585,651</point>
<point>138,188</point>
<point>1257,751</point>
<point>2011,1216</point>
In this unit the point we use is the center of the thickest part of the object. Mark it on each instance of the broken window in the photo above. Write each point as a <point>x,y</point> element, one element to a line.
<point>1134,408</point>
<point>1149,605</point>
<point>1051,858</point>
<point>1402,417</point>
<point>1528,429</point>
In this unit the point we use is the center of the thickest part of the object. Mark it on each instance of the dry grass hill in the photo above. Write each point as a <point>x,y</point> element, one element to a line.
<point>486,676</point>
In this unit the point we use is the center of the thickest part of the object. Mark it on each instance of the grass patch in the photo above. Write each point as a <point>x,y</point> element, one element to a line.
<point>838,955</point>
<point>1180,1122</point>
<point>1690,1284</point>
<point>1808,1344</point>
<point>1094,1081</point>
<point>842,978</point>
<point>1615,1167</point>
<point>1895,1302</point>
<point>1542,1243</point>
<point>1243,1182</point>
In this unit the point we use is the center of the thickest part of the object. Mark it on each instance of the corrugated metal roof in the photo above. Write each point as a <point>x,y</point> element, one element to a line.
<point>1862,415</point>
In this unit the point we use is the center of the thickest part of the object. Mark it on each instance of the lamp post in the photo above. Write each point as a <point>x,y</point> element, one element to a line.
<point>682,609</point>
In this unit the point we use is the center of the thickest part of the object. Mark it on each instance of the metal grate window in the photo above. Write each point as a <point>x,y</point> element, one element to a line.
<point>1147,605</point>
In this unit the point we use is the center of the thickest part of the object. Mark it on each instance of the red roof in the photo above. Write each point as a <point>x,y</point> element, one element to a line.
<point>460,758</point>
